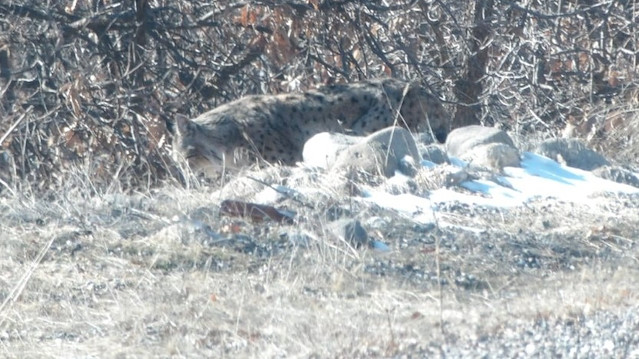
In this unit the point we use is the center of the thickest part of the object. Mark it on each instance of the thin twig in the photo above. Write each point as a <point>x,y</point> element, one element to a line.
<point>15,124</point>
<point>17,290</point>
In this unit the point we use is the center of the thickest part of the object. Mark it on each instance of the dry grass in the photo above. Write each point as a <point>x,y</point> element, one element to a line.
<point>88,270</point>
<point>115,275</point>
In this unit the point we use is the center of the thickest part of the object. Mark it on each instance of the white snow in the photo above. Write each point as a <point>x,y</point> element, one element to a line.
<point>538,177</point>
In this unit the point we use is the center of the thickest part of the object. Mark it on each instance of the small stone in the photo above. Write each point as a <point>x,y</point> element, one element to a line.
<point>351,231</point>
<point>380,153</point>
<point>322,149</point>
<point>407,166</point>
<point>571,152</point>
<point>355,234</point>
<point>494,156</point>
<point>434,154</point>
<point>464,139</point>
<point>617,174</point>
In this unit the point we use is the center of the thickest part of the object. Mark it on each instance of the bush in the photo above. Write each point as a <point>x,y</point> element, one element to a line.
<point>95,84</point>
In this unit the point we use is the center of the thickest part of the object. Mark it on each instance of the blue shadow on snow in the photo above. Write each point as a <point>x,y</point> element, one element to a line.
<point>541,166</point>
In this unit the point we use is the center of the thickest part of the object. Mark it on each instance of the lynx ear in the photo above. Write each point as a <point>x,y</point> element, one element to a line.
<point>183,125</point>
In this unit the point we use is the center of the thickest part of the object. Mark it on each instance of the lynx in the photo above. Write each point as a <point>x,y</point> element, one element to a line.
<point>274,128</point>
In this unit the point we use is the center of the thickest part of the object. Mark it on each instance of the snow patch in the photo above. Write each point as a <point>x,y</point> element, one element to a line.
<point>538,177</point>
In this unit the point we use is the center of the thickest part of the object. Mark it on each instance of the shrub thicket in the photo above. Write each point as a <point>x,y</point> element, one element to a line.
<point>95,83</point>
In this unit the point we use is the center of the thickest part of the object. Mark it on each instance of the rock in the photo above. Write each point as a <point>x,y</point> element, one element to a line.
<point>617,174</point>
<point>322,149</point>
<point>380,153</point>
<point>486,147</point>
<point>571,152</point>
<point>355,234</point>
<point>351,231</point>
<point>407,166</point>
<point>435,154</point>
<point>494,156</point>
<point>424,138</point>
<point>463,139</point>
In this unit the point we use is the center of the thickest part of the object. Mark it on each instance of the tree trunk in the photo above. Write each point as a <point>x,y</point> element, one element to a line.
<point>469,88</point>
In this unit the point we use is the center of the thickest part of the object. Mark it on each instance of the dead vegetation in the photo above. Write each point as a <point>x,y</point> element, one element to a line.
<point>96,83</point>
<point>165,273</point>
<point>100,261</point>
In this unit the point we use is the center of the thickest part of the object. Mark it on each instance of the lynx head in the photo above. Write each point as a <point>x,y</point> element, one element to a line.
<point>420,109</point>
<point>206,147</point>
<point>429,107</point>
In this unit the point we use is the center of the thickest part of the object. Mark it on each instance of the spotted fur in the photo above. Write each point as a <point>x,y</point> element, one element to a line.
<point>274,128</point>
